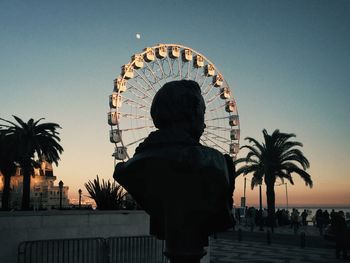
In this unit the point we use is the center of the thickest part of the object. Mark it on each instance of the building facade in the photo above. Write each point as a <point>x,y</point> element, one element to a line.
<point>44,194</point>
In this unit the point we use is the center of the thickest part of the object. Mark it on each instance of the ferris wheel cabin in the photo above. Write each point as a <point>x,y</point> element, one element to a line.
<point>198,61</point>
<point>120,153</point>
<point>113,118</point>
<point>115,100</point>
<point>128,71</point>
<point>230,106</point>
<point>234,134</point>
<point>218,80</point>
<point>233,120</point>
<point>209,70</point>
<point>161,51</point>
<point>234,148</point>
<point>138,61</point>
<point>186,55</point>
<point>115,136</point>
<point>119,85</point>
<point>174,52</point>
<point>149,56</point>
<point>225,93</point>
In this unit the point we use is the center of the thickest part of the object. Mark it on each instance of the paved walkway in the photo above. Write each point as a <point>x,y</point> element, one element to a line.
<point>285,246</point>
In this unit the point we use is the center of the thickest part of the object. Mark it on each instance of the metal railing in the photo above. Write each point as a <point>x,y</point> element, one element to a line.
<point>137,249</point>
<point>84,250</point>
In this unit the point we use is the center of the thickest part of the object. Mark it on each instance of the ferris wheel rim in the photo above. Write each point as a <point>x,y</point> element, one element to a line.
<point>131,64</point>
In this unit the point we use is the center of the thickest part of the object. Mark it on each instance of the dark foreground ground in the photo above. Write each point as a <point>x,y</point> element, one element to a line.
<point>285,246</point>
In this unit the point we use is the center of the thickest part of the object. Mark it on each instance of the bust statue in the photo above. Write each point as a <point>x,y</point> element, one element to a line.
<point>185,187</point>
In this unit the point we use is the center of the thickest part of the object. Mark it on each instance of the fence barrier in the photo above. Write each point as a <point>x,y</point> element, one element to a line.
<point>134,249</point>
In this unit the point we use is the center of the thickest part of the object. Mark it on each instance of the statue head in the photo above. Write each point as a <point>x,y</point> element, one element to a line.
<point>180,105</point>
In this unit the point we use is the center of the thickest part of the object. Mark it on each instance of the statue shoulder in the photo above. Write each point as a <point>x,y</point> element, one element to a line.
<point>203,156</point>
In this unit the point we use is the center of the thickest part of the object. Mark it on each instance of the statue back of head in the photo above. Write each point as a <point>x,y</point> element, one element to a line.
<point>179,105</point>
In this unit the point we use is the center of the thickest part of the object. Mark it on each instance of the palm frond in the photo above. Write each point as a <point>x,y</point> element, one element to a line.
<point>297,156</point>
<point>107,195</point>
<point>303,174</point>
<point>256,143</point>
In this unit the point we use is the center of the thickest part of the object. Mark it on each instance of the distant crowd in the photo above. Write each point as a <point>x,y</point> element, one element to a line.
<point>333,226</point>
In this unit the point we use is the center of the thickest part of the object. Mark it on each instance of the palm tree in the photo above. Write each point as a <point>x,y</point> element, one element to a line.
<point>276,157</point>
<point>31,140</point>
<point>7,168</point>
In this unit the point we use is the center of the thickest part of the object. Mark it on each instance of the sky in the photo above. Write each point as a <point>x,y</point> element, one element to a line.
<point>287,63</point>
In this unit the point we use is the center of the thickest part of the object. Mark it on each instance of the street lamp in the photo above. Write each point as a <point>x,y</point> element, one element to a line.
<point>286,195</point>
<point>260,209</point>
<point>60,186</point>
<point>79,191</point>
<point>260,198</point>
<point>243,200</point>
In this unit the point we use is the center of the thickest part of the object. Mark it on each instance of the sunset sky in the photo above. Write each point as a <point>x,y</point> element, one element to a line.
<point>287,62</point>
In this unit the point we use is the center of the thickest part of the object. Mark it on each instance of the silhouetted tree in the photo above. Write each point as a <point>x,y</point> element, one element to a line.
<point>7,168</point>
<point>31,139</point>
<point>276,157</point>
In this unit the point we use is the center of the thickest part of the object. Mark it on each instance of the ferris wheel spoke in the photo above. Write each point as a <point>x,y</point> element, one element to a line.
<point>217,118</point>
<point>193,72</point>
<point>203,142</point>
<point>197,71</point>
<point>155,68</point>
<point>156,78</point>
<point>139,128</point>
<point>217,108</point>
<point>170,66</point>
<point>136,116</point>
<point>135,104</point>
<point>168,71</point>
<point>176,72</point>
<point>145,91</point>
<point>179,67</point>
<point>184,69</point>
<point>208,90</point>
<point>216,136</point>
<point>132,90</point>
<point>216,144</point>
<point>209,101</point>
<point>218,128</point>
<point>188,70</point>
<point>147,75</point>
<point>134,142</point>
<point>203,83</point>
<point>161,68</point>
<point>143,76</point>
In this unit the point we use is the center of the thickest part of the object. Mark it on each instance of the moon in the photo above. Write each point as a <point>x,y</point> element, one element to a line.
<point>138,36</point>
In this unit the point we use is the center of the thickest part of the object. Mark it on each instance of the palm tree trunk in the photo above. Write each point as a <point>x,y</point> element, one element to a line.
<point>270,197</point>
<point>6,192</point>
<point>26,187</point>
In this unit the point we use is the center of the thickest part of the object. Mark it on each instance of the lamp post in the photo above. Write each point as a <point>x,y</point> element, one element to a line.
<point>79,191</point>
<point>60,186</point>
<point>243,200</point>
<point>260,209</point>
<point>286,195</point>
<point>245,185</point>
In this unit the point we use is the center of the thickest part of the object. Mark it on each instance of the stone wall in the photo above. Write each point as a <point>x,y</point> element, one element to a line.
<point>16,227</point>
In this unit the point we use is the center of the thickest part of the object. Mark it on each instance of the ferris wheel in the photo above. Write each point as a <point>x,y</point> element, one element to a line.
<point>130,102</point>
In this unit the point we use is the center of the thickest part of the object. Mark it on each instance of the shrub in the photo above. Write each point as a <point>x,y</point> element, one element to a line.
<point>107,195</point>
